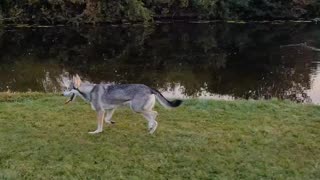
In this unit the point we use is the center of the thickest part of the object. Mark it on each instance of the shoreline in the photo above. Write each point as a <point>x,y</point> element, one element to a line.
<point>276,21</point>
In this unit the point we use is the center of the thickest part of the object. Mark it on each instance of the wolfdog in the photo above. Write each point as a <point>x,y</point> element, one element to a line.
<point>105,98</point>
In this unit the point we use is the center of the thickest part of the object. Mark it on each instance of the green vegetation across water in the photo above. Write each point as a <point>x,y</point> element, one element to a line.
<point>40,138</point>
<point>122,11</point>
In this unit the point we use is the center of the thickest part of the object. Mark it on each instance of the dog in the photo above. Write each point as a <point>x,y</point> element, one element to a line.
<point>105,98</point>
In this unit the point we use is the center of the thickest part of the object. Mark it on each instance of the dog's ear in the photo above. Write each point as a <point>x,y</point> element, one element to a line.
<point>63,81</point>
<point>74,80</point>
<point>78,77</point>
<point>77,81</point>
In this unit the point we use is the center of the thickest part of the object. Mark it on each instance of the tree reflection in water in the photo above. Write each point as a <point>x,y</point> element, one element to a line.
<point>208,60</point>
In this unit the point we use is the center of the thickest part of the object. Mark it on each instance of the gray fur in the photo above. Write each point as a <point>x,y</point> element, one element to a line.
<point>107,97</point>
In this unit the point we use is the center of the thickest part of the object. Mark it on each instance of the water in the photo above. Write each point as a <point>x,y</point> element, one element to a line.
<point>218,60</point>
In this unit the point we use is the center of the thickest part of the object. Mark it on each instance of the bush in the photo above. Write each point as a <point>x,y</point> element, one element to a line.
<point>135,11</point>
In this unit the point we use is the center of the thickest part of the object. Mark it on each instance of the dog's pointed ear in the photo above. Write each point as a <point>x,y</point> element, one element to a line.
<point>74,80</point>
<point>77,81</point>
<point>63,81</point>
<point>78,77</point>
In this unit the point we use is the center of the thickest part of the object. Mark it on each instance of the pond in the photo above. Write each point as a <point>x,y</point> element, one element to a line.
<point>213,60</point>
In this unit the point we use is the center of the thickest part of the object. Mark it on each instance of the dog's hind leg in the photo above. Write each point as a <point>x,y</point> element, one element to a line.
<point>144,105</point>
<point>108,119</point>
<point>100,115</point>
<point>152,123</point>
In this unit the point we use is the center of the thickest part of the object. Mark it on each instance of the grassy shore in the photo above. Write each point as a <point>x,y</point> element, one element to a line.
<point>40,138</point>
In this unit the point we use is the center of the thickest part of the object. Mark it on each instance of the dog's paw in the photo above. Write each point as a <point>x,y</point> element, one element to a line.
<point>110,122</point>
<point>95,132</point>
<point>154,127</point>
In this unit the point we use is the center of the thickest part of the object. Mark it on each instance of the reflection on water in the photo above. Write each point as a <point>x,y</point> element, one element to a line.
<point>218,60</point>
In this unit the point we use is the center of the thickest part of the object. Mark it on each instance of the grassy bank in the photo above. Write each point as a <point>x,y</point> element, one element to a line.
<point>40,138</point>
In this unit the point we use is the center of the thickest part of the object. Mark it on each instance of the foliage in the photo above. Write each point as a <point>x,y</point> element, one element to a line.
<point>95,11</point>
<point>136,11</point>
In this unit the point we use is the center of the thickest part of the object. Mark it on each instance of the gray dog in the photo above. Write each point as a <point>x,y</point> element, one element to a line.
<point>107,97</point>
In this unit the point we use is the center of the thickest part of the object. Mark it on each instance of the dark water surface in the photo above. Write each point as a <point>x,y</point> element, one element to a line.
<point>217,60</point>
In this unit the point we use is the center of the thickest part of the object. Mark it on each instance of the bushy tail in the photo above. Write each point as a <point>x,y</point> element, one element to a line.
<point>165,102</point>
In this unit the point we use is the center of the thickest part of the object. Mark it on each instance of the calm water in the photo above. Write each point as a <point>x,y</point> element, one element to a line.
<point>227,61</point>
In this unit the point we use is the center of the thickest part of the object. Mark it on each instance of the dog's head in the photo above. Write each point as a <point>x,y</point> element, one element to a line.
<point>71,87</point>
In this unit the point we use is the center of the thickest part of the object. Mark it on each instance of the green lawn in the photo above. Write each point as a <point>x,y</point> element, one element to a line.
<point>40,138</point>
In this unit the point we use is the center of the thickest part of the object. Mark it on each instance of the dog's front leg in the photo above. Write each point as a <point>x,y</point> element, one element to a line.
<point>100,115</point>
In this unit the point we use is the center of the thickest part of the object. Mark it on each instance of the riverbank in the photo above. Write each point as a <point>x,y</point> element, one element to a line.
<point>172,21</point>
<point>42,138</point>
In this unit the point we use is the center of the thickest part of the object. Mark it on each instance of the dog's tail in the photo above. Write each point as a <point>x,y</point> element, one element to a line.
<point>165,102</point>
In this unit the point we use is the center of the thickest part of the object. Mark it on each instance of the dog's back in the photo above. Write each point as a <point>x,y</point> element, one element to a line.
<point>120,93</point>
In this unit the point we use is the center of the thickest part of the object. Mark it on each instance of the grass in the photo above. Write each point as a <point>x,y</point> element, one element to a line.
<point>40,138</point>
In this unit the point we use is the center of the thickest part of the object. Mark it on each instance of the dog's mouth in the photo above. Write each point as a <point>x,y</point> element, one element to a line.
<point>70,99</point>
